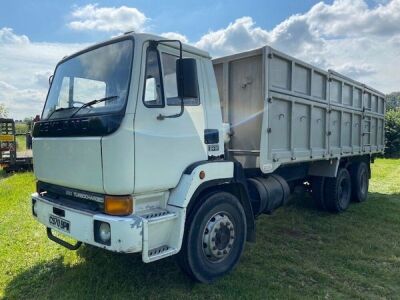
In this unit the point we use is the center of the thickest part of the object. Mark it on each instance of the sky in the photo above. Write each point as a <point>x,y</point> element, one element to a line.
<point>358,38</point>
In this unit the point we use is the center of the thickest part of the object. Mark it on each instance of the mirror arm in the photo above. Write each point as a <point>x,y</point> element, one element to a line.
<point>155,44</point>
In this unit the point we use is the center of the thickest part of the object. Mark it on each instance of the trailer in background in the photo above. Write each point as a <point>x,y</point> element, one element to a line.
<point>12,160</point>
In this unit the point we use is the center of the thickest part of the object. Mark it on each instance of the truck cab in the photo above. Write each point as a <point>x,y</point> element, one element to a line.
<point>107,173</point>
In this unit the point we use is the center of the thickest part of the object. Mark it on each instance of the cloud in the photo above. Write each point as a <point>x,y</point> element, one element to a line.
<point>21,103</point>
<point>175,36</point>
<point>41,78</point>
<point>108,19</point>
<point>355,18</point>
<point>6,86</point>
<point>24,70</point>
<point>243,34</point>
<point>347,35</point>
<point>354,71</point>
<point>237,36</point>
<point>7,36</point>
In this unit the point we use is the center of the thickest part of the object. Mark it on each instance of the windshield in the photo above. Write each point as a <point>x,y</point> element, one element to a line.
<point>100,73</point>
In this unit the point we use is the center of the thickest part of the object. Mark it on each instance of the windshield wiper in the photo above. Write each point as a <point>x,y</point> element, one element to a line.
<point>57,110</point>
<point>92,102</point>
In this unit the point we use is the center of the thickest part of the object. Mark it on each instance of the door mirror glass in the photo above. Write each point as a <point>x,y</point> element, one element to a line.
<point>186,77</point>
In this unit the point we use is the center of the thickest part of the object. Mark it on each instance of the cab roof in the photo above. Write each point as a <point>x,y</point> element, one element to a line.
<point>142,37</point>
<point>186,47</point>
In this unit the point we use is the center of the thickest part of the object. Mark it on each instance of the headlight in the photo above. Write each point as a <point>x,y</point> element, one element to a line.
<point>105,232</point>
<point>102,233</point>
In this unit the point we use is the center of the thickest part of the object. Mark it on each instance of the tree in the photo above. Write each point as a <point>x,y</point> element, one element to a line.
<point>392,100</point>
<point>28,122</point>
<point>3,111</point>
<point>392,133</point>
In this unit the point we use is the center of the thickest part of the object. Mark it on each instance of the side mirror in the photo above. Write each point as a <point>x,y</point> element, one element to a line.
<point>186,77</point>
<point>51,79</point>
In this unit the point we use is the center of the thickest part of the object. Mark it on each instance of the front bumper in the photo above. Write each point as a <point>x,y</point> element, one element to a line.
<point>126,232</point>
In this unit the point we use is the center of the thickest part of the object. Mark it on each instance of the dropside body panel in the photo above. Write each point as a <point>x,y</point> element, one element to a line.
<point>283,111</point>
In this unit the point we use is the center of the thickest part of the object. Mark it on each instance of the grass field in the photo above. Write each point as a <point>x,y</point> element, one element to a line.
<point>21,143</point>
<point>300,253</point>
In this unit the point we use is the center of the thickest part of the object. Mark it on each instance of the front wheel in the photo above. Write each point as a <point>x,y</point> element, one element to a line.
<point>214,237</point>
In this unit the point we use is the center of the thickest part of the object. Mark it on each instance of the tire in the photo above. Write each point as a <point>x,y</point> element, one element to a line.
<point>317,191</point>
<point>359,182</point>
<point>214,238</point>
<point>337,191</point>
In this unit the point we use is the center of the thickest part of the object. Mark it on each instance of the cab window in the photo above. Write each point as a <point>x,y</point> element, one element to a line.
<point>153,95</point>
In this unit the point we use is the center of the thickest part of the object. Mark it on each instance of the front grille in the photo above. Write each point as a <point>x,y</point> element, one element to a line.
<point>92,202</point>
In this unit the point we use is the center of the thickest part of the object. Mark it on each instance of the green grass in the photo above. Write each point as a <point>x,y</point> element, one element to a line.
<point>21,127</point>
<point>21,142</point>
<point>300,253</point>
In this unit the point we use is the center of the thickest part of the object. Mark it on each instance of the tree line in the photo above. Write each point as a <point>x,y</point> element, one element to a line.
<point>392,125</point>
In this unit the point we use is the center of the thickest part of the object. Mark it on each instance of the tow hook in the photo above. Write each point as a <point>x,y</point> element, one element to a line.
<point>61,242</point>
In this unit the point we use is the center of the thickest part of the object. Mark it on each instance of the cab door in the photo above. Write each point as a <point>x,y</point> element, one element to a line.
<point>164,147</point>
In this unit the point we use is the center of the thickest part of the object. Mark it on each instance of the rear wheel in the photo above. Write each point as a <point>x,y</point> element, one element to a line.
<point>337,191</point>
<point>214,238</point>
<point>359,181</point>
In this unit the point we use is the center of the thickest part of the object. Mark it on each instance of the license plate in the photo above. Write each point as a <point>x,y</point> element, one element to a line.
<point>59,223</point>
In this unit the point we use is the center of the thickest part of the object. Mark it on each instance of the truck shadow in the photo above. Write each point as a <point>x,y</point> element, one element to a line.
<point>3,174</point>
<point>100,274</point>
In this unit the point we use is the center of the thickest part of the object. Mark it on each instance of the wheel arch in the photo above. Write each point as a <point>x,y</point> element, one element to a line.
<point>236,186</point>
<point>330,168</point>
<point>351,162</point>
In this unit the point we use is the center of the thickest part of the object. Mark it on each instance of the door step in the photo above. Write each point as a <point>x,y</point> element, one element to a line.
<point>160,252</point>
<point>158,215</point>
<point>154,213</point>
<point>159,228</point>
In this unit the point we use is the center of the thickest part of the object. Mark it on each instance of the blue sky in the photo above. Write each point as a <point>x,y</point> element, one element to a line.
<point>45,21</point>
<point>359,38</point>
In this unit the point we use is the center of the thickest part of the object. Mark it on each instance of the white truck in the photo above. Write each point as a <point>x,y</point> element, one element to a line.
<point>147,145</point>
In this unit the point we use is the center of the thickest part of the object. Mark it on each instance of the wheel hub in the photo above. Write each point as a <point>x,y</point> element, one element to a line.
<point>218,237</point>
